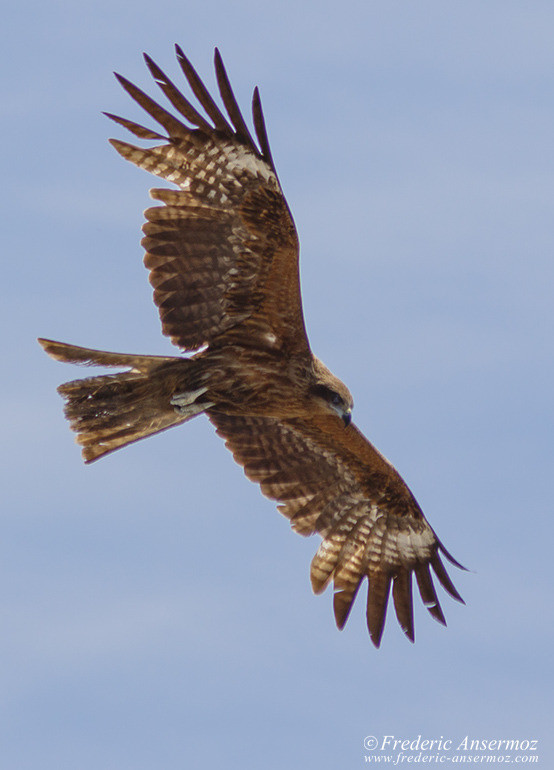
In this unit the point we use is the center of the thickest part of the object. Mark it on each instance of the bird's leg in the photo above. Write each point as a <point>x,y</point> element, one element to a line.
<point>185,403</point>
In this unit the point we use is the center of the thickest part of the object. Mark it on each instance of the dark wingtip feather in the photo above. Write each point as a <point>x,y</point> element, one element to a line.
<point>260,128</point>
<point>173,126</point>
<point>409,634</point>
<point>202,93</point>
<point>156,72</point>
<point>449,556</point>
<point>230,102</point>
<point>377,600</point>
<point>120,79</point>
<point>134,128</point>
<point>403,603</point>
<point>343,601</point>
<point>444,579</point>
<point>175,96</point>
<point>428,593</point>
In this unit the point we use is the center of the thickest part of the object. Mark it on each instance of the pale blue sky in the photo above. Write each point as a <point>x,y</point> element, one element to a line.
<point>156,609</point>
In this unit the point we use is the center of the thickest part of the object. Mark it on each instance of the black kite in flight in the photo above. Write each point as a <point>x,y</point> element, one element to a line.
<point>222,251</point>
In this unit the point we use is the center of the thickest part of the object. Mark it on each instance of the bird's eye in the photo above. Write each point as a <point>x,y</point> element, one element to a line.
<point>328,394</point>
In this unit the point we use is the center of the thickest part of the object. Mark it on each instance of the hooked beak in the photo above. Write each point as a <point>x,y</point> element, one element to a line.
<point>347,418</point>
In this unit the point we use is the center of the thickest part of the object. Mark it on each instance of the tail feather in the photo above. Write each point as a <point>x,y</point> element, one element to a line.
<point>110,411</point>
<point>73,354</point>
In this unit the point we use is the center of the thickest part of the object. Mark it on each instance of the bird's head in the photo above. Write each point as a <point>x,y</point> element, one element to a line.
<point>334,393</point>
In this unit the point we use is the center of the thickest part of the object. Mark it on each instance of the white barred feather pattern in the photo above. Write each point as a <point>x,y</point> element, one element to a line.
<point>372,530</point>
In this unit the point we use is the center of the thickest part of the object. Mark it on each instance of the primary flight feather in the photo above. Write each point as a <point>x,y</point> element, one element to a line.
<point>222,251</point>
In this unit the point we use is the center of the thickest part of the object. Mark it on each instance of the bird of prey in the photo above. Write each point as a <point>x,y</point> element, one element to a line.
<point>222,251</point>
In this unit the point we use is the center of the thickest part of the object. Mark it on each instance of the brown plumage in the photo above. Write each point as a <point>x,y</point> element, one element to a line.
<point>222,252</point>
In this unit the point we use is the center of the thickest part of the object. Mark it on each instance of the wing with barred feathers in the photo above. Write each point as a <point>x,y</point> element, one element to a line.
<point>331,481</point>
<point>223,250</point>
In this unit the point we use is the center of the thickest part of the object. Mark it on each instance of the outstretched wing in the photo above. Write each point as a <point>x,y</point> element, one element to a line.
<point>332,481</point>
<point>222,251</point>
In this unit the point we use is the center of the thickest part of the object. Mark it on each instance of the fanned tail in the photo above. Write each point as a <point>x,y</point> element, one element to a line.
<point>110,411</point>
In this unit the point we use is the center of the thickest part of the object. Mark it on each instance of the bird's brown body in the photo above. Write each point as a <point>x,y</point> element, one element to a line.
<point>222,251</point>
